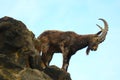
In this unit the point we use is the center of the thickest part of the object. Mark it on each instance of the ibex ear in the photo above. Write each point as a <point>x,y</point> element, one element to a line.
<point>98,33</point>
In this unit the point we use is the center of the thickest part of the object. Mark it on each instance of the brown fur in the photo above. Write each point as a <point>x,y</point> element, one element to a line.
<point>67,43</point>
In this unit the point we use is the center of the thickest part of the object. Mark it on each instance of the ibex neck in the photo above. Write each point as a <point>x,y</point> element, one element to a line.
<point>83,41</point>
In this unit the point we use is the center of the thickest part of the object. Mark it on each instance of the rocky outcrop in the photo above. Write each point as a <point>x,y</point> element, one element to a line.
<point>57,74</point>
<point>19,59</point>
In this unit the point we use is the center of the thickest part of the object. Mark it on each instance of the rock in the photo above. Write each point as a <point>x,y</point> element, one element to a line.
<point>16,41</point>
<point>33,74</point>
<point>19,58</point>
<point>56,73</point>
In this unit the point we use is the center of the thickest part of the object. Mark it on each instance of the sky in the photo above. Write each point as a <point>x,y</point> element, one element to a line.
<point>80,16</point>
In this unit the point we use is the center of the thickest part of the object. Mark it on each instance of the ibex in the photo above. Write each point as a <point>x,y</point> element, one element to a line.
<point>67,43</point>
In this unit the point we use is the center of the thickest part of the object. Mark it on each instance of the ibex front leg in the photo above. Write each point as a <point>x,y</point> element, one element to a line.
<point>66,57</point>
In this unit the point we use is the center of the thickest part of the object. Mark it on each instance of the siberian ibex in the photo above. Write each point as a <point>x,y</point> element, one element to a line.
<point>68,43</point>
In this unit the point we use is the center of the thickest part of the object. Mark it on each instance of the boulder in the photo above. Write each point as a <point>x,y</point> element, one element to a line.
<point>19,58</point>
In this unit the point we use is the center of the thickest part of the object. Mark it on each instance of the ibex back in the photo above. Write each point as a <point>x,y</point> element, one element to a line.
<point>67,43</point>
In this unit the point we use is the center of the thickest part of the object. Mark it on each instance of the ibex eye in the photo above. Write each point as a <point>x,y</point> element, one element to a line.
<point>96,39</point>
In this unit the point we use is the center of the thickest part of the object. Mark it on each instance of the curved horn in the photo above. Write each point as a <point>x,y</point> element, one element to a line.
<point>102,37</point>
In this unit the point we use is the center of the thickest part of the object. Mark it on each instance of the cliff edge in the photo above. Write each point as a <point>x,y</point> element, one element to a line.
<point>18,54</point>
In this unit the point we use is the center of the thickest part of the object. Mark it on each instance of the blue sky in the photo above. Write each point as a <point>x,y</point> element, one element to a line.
<point>81,17</point>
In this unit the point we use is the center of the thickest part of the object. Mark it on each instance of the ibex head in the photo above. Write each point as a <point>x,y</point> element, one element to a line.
<point>97,38</point>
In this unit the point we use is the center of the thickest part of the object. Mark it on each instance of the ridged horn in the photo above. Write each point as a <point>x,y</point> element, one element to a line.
<point>102,37</point>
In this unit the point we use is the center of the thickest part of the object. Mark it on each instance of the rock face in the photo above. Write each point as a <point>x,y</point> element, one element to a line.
<point>19,60</point>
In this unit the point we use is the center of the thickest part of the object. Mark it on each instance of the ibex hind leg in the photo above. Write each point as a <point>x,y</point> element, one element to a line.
<point>43,58</point>
<point>46,58</point>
